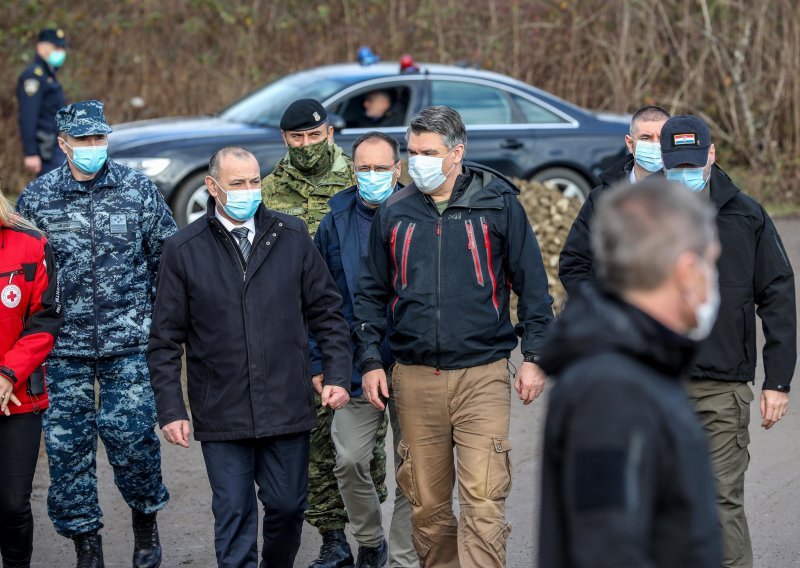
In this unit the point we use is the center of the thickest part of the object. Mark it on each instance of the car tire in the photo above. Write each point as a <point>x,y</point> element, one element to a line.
<point>190,199</point>
<point>567,181</point>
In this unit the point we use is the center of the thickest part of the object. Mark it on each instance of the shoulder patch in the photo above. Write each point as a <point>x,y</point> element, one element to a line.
<point>38,71</point>
<point>30,86</point>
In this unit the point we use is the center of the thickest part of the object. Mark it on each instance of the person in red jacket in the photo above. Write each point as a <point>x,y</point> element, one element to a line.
<point>30,316</point>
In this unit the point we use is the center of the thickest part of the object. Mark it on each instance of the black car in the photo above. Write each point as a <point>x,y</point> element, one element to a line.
<point>515,128</point>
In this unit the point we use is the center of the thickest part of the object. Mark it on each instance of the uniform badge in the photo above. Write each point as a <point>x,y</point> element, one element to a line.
<point>31,86</point>
<point>118,224</point>
<point>316,116</point>
<point>11,296</point>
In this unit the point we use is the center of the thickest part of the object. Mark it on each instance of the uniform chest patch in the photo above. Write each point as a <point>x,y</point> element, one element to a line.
<point>118,224</point>
<point>31,86</point>
<point>11,296</point>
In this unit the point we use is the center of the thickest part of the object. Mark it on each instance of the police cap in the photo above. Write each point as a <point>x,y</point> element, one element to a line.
<point>685,140</point>
<point>303,114</point>
<point>54,36</point>
<point>84,118</point>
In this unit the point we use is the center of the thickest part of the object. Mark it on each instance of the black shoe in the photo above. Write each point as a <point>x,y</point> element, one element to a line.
<point>372,557</point>
<point>335,552</point>
<point>89,549</point>
<point>146,546</point>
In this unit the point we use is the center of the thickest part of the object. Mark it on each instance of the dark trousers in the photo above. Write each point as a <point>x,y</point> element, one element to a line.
<point>279,466</point>
<point>20,435</point>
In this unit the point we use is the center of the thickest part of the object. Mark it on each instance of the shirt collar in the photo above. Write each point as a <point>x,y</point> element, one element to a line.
<point>250,224</point>
<point>633,175</point>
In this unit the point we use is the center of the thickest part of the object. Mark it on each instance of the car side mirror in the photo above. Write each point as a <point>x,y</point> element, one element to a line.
<point>336,121</point>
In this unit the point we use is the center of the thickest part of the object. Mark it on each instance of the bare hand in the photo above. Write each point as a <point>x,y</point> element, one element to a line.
<point>177,433</point>
<point>33,164</point>
<point>334,397</point>
<point>316,380</point>
<point>7,394</point>
<point>774,405</point>
<point>529,382</point>
<point>374,384</point>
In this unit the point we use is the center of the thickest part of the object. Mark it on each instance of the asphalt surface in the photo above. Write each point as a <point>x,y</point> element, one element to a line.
<point>186,525</point>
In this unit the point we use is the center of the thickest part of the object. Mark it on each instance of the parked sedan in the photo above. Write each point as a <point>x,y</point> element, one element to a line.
<point>517,129</point>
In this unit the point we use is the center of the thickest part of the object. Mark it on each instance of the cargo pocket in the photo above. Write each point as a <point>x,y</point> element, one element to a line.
<point>422,545</point>
<point>743,395</point>
<point>499,540</point>
<point>405,473</point>
<point>498,479</point>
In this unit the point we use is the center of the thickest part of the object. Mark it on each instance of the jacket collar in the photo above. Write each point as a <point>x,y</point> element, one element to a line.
<point>110,175</point>
<point>263,218</point>
<point>618,171</point>
<point>721,187</point>
<point>45,66</point>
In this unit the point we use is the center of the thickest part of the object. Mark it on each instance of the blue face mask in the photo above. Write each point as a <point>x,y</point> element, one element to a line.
<point>693,178</point>
<point>88,159</point>
<point>648,155</point>
<point>242,204</point>
<point>56,58</point>
<point>375,187</point>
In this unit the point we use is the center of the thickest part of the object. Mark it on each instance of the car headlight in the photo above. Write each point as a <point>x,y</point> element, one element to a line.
<point>150,167</point>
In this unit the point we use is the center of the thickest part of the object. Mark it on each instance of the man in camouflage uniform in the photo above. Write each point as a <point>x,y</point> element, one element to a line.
<point>106,223</point>
<point>314,170</point>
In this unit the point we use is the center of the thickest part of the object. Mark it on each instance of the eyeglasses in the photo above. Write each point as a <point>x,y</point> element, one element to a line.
<point>376,168</point>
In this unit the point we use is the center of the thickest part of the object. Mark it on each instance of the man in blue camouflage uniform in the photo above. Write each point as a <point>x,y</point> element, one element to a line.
<point>107,224</point>
<point>39,96</point>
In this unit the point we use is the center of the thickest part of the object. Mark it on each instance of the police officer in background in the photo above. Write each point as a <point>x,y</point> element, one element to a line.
<point>107,224</point>
<point>39,96</point>
<point>314,170</point>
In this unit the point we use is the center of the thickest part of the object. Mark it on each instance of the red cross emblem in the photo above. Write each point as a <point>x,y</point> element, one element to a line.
<point>11,296</point>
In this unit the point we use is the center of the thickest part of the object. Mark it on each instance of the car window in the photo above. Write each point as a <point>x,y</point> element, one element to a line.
<point>266,106</point>
<point>477,104</point>
<point>534,113</point>
<point>375,107</point>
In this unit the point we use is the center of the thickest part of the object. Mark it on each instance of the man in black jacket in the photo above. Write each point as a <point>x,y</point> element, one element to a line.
<point>239,287</point>
<point>626,479</point>
<point>754,276</point>
<point>444,254</point>
<point>644,159</point>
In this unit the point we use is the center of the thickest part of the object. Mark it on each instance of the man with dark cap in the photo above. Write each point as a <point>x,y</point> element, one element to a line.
<point>39,96</point>
<point>314,170</point>
<point>106,224</point>
<point>754,277</point>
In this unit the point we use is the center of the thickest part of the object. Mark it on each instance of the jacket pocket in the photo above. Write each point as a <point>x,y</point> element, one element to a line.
<point>498,478</point>
<point>395,264</point>
<point>405,473</point>
<point>406,251</point>
<point>472,246</point>
<point>487,243</point>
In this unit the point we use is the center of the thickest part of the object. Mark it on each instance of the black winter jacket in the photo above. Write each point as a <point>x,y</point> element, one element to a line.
<point>755,276</point>
<point>626,479</point>
<point>245,329</point>
<point>447,278</point>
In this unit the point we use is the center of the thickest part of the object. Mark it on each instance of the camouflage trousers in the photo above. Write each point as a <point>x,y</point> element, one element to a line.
<point>326,509</point>
<point>125,420</point>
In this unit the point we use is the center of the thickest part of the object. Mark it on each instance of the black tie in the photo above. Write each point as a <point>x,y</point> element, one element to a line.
<point>241,237</point>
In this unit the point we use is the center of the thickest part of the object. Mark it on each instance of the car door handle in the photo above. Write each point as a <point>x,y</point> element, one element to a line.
<point>511,144</point>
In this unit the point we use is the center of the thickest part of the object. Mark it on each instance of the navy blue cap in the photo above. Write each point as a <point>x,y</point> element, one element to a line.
<point>303,114</point>
<point>685,140</point>
<point>54,36</point>
<point>84,118</point>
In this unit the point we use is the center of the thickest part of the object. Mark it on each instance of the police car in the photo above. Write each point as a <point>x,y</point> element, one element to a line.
<point>513,127</point>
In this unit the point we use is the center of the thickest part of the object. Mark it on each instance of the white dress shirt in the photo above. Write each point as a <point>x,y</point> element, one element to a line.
<point>250,224</point>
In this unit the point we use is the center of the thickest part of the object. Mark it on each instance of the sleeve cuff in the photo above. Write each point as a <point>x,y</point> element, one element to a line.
<point>780,388</point>
<point>370,365</point>
<point>9,373</point>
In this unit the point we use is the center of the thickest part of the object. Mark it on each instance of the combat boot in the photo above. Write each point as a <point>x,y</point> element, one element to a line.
<point>146,545</point>
<point>335,552</point>
<point>372,557</point>
<point>89,549</point>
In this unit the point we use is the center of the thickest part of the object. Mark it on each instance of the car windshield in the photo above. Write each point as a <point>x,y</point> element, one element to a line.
<point>265,107</point>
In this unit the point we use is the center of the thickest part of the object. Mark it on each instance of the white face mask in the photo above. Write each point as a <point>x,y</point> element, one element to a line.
<point>426,171</point>
<point>706,313</point>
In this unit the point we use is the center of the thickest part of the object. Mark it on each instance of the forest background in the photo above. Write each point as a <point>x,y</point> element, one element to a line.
<point>736,63</point>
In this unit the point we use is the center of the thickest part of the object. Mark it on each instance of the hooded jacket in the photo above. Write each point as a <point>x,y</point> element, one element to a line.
<point>447,278</point>
<point>626,478</point>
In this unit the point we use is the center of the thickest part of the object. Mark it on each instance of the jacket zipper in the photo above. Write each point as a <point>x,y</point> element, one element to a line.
<point>472,246</point>
<point>393,244</point>
<point>487,243</point>
<point>12,273</point>
<point>438,292</point>
<point>94,271</point>
<point>406,249</point>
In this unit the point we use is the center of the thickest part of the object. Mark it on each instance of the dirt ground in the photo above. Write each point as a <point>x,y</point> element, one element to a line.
<point>773,494</point>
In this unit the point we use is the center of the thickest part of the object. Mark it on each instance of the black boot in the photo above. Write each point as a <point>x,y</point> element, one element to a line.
<point>372,557</point>
<point>146,546</point>
<point>89,549</point>
<point>335,552</point>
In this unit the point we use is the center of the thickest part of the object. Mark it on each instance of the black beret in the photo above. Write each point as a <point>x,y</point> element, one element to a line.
<point>303,114</point>
<point>54,36</point>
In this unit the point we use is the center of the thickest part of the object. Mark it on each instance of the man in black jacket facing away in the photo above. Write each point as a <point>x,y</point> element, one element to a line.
<point>238,288</point>
<point>444,254</point>
<point>626,478</point>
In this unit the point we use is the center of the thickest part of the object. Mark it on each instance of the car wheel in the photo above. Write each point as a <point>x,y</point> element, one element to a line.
<point>190,200</point>
<point>569,182</point>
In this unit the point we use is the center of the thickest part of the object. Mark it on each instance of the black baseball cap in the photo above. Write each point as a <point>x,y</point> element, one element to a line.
<point>685,140</point>
<point>54,36</point>
<point>303,114</point>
